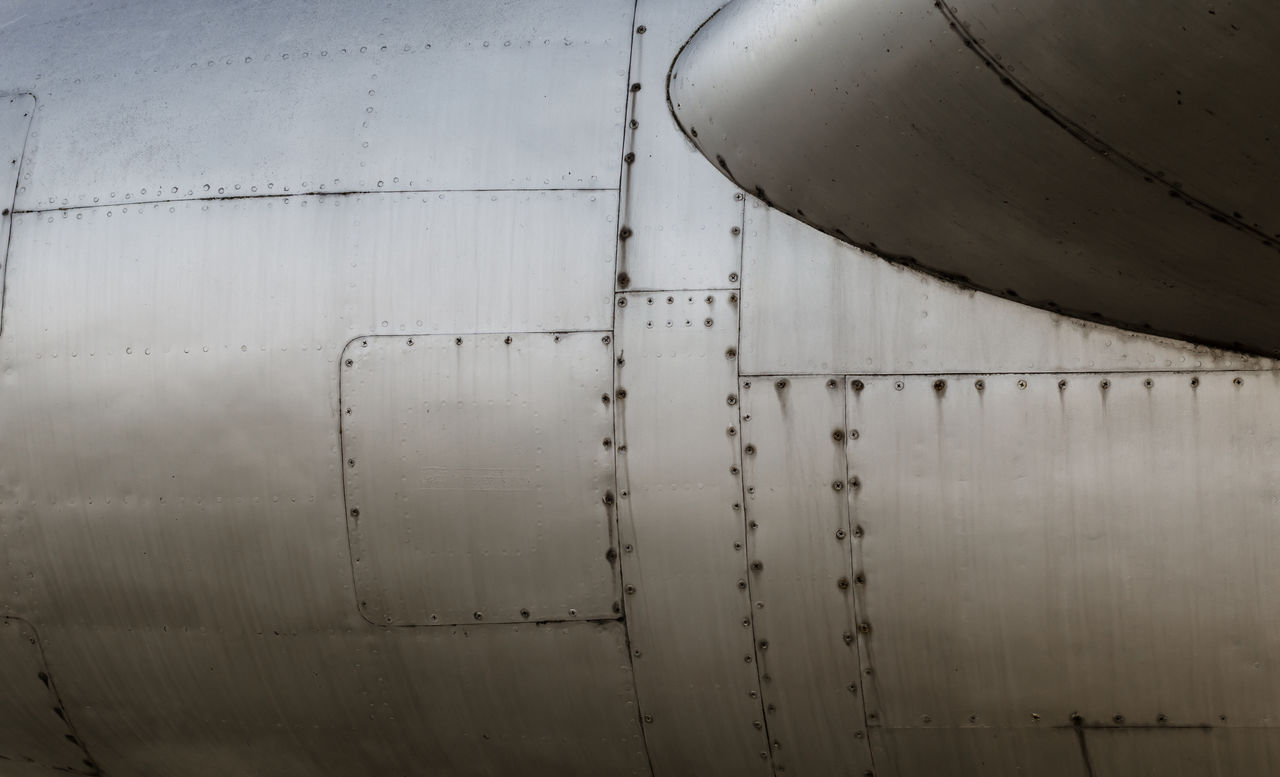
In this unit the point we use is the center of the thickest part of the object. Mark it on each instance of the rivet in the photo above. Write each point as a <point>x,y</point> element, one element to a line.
<point>635,87</point>
<point>742,585</point>
<point>349,362</point>
<point>1035,716</point>
<point>842,583</point>
<point>606,339</point>
<point>838,435</point>
<point>841,534</point>
<point>732,431</point>
<point>847,637</point>
<point>707,322</point>
<point>898,385</point>
<point>733,470</point>
<point>737,545</point>
<point>857,385</point>
<point>780,384</point>
<point>757,565</point>
<point>622,302</point>
<point>629,158</point>
<point>507,340</point>
<point>855,483</point>
<point>758,724</point>
<point>733,298</point>
<point>641,30</point>
<point>477,615</point>
<point>633,124</point>
<point>1105,384</point>
<point>739,196</point>
<point>624,233</point>
<point>735,231</point>
<point>628,548</point>
<point>1148,383</point>
<point>1238,381</point>
<point>1022,384</point>
<point>926,719</point>
<point>636,653</point>
<point>631,590</point>
<point>752,525</point>
<point>833,384</point>
<point>730,353</point>
<point>457,341</point>
<point>671,300</point>
<point>351,462</point>
<point>410,341</point>
<point>837,485</point>
<point>621,393</point>
<point>732,399</point>
<point>608,498</point>
<point>355,512</point>
<point>1117,719</point>
<point>980,384</point>
<point>737,506</point>
<point>858,531</point>
<point>852,688</point>
<point>860,579</point>
<point>864,627</point>
<point>854,434</point>
<point>733,277</point>
<point>750,450</point>
<point>764,644</point>
<point>1062,384</point>
<point>1195,382</point>
<point>648,718</point>
<point>746,659</point>
<point>939,385</point>
<point>624,280</point>
<point>524,614</point>
<point>1162,718</point>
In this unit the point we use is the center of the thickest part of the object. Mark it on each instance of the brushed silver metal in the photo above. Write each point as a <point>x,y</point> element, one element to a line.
<point>681,524</point>
<point>1052,550</point>
<point>692,241</point>
<point>295,98</point>
<point>901,128</point>
<point>800,535</point>
<point>15,120</point>
<point>814,304</point>
<point>478,477</point>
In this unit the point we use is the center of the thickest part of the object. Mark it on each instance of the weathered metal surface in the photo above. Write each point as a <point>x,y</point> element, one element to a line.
<point>15,119</point>
<point>681,524</point>
<point>977,752</point>
<point>483,700</point>
<point>1182,91</point>
<point>898,128</point>
<point>848,311</point>
<point>36,733</point>
<point>799,536</point>
<point>1044,550</point>
<point>689,241</point>
<point>295,97</point>
<point>479,476</point>
<point>1197,752</point>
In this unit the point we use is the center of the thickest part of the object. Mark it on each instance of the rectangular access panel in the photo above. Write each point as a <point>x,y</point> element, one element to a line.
<point>478,471</point>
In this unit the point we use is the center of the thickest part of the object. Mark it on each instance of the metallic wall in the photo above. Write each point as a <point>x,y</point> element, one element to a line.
<point>470,423</point>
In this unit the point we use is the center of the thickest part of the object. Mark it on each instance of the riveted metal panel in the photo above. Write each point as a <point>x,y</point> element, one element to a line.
<point>1184,752</point>
<point>849,311</point>
<point>681,524</point>
<point>478,472</point>
<point>36,732</point>
<point>329,268</point>
<point>482,700</point>
<point>793,431</point>
<point>15,119</point>
<point>689,241</point>
<point>978,752</point>
<point>292,97</point>
<point>1087,549</point>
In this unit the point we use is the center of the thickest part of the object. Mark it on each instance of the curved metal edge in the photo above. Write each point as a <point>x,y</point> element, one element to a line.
<point>912,263</point>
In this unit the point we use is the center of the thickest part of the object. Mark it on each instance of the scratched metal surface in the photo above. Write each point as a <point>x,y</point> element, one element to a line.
<point>1203,752</point>
<point>793,433</point>
<point>15,118</point>
<point>681,524</point>
<point>479,477</point>
<point>849,311</point>
<point>890,125</point>
<point>1048,550</point>
<point>978,751</point>
<point>692,240</point>
<point>241,98</point>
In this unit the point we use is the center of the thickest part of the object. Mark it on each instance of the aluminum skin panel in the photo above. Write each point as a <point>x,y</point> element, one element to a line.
<point>37,733</point>
<point>846,310</point>
<point>793,433</point>
<point>486,700</point>
<point>684,220</point>
<point>1198,104</point>
<point>978,752</point>
<point>15,119</point>
<point>1094,550</point>
<point>221,100</point>
<point>216,368</point>
<point>478,477</point>
<point>1181,752</point>
<point>893,127</point>
<point>684,565</point>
